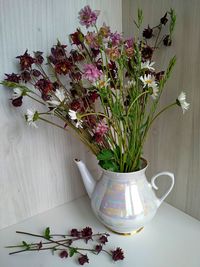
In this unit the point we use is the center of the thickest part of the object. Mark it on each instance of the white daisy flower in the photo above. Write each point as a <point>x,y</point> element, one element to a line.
<point>31,116</point>
<point>147,65</point>
<point>58,99</point>
<point>17,92</point>
<point>72,114</point>
<point>182,102</point>
<point>149,81</point>
<point>79,124</point>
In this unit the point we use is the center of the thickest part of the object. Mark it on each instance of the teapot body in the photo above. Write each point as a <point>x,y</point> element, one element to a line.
<point>126,202</point>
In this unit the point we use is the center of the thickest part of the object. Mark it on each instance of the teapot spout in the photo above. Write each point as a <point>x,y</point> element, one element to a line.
<point>88,180</point>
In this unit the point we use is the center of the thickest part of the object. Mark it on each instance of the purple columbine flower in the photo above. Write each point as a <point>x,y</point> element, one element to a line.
<point>87,17</point>
<point>115,38</point>
<point>91,73</point>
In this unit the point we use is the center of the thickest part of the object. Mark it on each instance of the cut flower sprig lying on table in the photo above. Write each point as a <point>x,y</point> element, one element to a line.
<point>64,244</point>
<point>105,88</point>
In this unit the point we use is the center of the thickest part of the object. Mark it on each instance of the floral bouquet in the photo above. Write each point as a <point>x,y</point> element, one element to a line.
<point>104,87</point>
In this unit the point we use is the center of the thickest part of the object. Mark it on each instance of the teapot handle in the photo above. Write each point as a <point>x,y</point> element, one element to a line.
<point>171,175</point>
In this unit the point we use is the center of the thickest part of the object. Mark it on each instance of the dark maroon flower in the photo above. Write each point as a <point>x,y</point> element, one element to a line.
<point>75,76</point>
<point>26,61</point>
<point>57,53</point>
<point>87,233</point>
<point>75,105</point>
<point>167,41</point>
<point>95,52</point>
<point>164,19</point>
<point>17,102</point>
<point>38,57</point>
<point>76,55</point>
<point>74,232</point>
<point>159,75</point>
<point>148,33</point>
<point>40,245</point>
<point>118,254</point>
<point>45,87</point>
<point>147,52</point>
<point>77,37</point>
<point>26,76</point>
<point>98,138</point>
<point>103,239</point>
<point>63,254</point>
<point>83,259</point>
<point>13,78</point>
<point>93,96</point>
<point>98,248</point>
<point>63,67</point>
<point>35,73</point>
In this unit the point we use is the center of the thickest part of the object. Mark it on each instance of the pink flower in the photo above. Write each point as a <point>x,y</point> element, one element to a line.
<point>101,128</point>
<point>115,38</point>
<point>91,73</point>
<point>92,40</point>
<point>87,17</point>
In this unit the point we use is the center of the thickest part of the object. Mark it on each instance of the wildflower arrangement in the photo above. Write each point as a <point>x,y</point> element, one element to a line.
<point>64,244</point>
<point>104,87</point>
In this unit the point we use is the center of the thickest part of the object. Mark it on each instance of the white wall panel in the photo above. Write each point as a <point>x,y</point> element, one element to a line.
<point>36,167</point>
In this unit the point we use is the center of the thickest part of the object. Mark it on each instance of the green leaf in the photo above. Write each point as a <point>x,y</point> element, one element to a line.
<point>72,251</point>
<point>105,154</point>
<point>47,233</point>
<point>109,165</point>
<point>27,246</point>
<point>173,21</point>
<point>16,85</point>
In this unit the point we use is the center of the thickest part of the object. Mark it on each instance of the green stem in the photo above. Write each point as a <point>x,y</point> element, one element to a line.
<point>36,100</point>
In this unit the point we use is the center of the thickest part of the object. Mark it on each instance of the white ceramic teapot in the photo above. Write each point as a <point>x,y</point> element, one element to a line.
<point>123,202</point>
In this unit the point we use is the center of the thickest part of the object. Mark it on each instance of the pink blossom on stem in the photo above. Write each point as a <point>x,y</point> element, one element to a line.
<point>101,128</point>
<point>115,38</point>
<point>91,73</point>
<point>87,17</point>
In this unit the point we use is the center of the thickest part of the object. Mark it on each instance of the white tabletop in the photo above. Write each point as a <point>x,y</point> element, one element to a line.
<point>172,239</point>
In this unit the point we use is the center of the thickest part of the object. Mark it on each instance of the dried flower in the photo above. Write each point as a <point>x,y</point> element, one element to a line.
<point>13,78</point>
<point>167,41</point>
<point>181,101</point>
<point>91,39</point>
<point>118,254</point>
<point>75,232</point>
<point>98,248</point>
<point>87,233</point>
<point>164,19</point>
<point>38,57</point>
<point>26,76</point>
<point>63,254</point>
<point>104,31</point>
<point>26,61</point>
<point>87,17</point>
<point>83,259</point>
<point>148,33</point>
<point>17,102</point>
<point>147,52</point>
<point>91,73</point>
<point>103,239</point>
<point>77,37</point>
<point>113,53</point>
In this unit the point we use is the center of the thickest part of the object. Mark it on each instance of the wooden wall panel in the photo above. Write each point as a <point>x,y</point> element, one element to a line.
<point>174,141</point>
<point>36,167</point>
